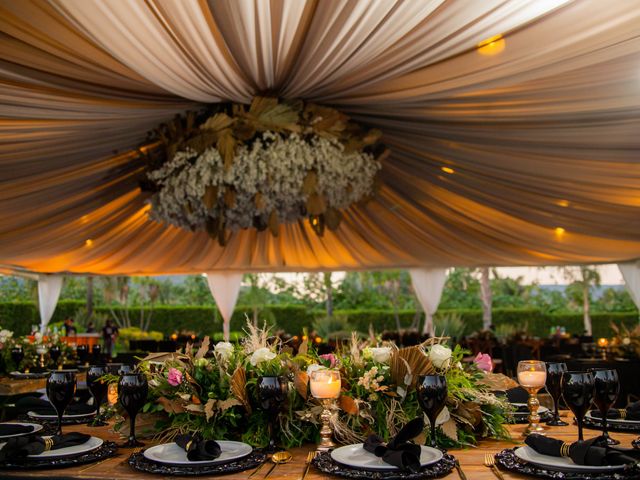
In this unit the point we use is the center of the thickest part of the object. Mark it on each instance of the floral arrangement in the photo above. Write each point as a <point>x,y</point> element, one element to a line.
<point>275,162</point>
<point>215,393</point>
<point>626,341</point>
<point>30,349</point>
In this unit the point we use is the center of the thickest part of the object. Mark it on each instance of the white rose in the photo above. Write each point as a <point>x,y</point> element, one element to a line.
<point>5,335</point>
<point>38,337</point>
<point>261,355</point>
<point>626,341</point>
<point>381,354</point>
<point>440,356</point>
<point>314,367</point>
<point>224,350</point>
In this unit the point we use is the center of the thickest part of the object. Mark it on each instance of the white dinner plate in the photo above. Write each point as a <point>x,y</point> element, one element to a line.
<point>562,464</point>
<point>613,421</point>
<point>541,409</point>
<point>55,417</point>
<point>88,446</point>
<point>36,427</point>
<point>172,454</point>
<point>356,456</point>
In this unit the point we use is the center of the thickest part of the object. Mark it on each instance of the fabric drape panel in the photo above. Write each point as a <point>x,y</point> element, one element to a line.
<point>542,137</point>
<point>225,287</point>
<point>49,288</point>
<point>631,274</point>
<point>428,284</point>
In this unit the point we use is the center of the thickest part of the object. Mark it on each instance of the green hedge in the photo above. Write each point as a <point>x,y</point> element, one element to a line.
<point>19,316</point>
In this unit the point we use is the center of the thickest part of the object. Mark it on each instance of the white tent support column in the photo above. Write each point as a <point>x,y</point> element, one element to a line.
<point>631,274</point>
<point>428,284</point>
<point>225,287</point>
<point>49,288</point>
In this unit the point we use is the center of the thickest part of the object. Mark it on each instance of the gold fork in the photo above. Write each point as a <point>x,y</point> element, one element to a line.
<point>310,457</point>
<point>490,462</point>
<point>258,469</point>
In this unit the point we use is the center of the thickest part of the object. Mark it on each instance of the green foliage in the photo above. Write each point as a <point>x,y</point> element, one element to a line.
<point>336,327</point>
<point>450,324</point>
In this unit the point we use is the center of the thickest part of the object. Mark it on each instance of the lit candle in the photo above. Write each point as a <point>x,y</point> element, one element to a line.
<point>532,378</point>
<point>603,342</point>
<point>325,384</point>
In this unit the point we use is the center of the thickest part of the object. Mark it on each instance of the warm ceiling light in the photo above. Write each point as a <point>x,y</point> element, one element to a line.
<point>492,45</point>
<point>447,170</point>
<point>559,231</point>
<point>88,242</point>
<point>562,203</point>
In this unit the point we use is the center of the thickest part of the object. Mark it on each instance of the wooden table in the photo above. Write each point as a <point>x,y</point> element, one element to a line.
<point>17,386</point>
<point>471,460</point>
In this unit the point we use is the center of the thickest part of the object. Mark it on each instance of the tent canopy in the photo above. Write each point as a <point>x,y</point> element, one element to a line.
<point>538,131</point>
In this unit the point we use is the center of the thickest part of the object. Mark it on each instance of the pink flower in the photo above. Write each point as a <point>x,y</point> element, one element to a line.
<point>175,377</point>
<point>483,362</point>
<point>330,358</point>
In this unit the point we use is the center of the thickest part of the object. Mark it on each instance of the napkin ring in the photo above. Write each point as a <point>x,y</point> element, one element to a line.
<point>564,449</point>
<point>623,413</point>
<point>48,444</point>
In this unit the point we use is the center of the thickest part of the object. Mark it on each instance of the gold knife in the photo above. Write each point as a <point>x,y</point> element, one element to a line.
<point>460,472</point>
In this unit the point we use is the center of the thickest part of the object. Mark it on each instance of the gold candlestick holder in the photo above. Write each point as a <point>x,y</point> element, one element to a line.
<point>532,375</point>
<point>534,418</point>
<point>326,432</point>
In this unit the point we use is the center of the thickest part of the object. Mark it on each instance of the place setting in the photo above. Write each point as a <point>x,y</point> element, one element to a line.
<point>544,456</point>
<point>400,457</point>
<point>22,447</point>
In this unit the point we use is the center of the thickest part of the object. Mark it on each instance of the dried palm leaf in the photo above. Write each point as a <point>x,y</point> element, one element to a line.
<point>163,357</point>
<point>204,348</point>
<point>274,223</point>
<point>239,387</point>
<point>407,363</point>
<point>210,196</point>
<point>226,145</point>
<point>301,381</point>
<point>217,122</point>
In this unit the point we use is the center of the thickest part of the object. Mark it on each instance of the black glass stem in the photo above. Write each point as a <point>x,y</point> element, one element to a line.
<point>606,389</point>
<point>432,396</point>
<point>272,393</point>
<point>132,394</point>
<point>17,355</point>
<point>98,389</point>
<point>54,353</point>
<point>82,352</point>
<point>61,386</point>
<point>554,387</point>
<point>96,352</point>
<point>577,391</point>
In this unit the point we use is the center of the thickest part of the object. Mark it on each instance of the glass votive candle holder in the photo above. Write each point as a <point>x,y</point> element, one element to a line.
<point>532,376</point>
<point>325,385</point>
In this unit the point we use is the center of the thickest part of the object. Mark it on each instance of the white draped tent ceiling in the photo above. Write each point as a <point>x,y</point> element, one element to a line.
<point>541,138</point>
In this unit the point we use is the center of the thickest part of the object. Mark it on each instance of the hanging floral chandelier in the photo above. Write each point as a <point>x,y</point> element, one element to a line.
<point>275,162</point>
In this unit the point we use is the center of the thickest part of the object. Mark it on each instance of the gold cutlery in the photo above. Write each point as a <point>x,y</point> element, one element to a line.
<point>278,458</point>
<point>257,469</point>
<point>490,462</point>
<point>310,457</point>
<point>459,469</point>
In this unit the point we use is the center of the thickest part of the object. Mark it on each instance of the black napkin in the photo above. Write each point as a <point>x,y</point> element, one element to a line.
<point>594,452</point>
<point>521,409</point>
<point>632,412</point>
<point>400,451</point>
<point>517,395</point>
<point>44,407</point>
<point>197,448</point>
<point>14,429</point>
<point>20,447</point>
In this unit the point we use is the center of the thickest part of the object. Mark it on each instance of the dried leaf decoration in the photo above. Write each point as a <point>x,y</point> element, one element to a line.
<point>316,204</point>
<point>310,182</point>
<point>450,429</point>
<point>210,197</point>
<point>303,348</point>
<point>408,363</point>
<point>171,406</point>
<point>239,388</point>
<point>209,408</point>
<point>204,348</point>
<point>301,381</point>
<point>273,223</point>
<point>349,405</point>
<point>228,403</point>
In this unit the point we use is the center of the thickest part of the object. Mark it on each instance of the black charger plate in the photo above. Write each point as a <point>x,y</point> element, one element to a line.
<point>139,462</point>
<point>508,460</point>
<point>590,423</point>
<point>106,450</point>
<point>442,467</point>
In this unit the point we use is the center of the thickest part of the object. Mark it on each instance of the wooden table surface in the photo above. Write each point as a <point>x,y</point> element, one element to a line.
<point>471,459</point>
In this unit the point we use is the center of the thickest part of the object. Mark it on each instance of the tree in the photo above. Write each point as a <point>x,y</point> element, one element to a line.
<point>328,288</point>
<point>485,296</point>
<point>583,279</point>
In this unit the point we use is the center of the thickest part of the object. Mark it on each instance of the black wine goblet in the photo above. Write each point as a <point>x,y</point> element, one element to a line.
<point>606,389</point>
<point>132,394</point>
<point>432,396</point>
<point>125,368</point>
<point>554,387</point>
<point>96,352</point>
<point>577,391</point>
<point>17,355</point>
<point>272,393</point>
<point>82,352</point>
<point>61,386</point>
<point>54,353</point>
<point>98,388</point>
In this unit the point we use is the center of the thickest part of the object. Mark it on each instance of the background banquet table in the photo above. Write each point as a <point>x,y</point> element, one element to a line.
<point>471,459</point>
